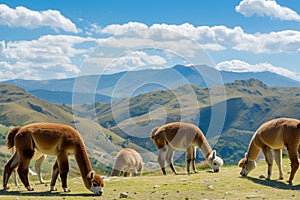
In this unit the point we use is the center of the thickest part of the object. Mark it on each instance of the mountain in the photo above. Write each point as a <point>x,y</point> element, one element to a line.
<point>246,105</point>
<point>268,78</point>
<point>113,87</point>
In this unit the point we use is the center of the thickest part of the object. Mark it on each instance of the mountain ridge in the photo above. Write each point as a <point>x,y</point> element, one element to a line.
<point>128,83</point>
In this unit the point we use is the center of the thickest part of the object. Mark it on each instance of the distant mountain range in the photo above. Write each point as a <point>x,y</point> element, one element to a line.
<point>105,88</point>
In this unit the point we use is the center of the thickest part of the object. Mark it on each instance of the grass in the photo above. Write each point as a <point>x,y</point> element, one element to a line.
<point>227,184</point>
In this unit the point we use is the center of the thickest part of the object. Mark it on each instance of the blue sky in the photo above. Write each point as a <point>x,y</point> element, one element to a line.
<point>61,39</point>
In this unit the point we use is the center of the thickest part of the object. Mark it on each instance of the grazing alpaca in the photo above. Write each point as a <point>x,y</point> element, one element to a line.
<point>182,136</point>
<point>51,139</point>
<point>275,134</point>
<point>39,158</point>
<point>129,161</point>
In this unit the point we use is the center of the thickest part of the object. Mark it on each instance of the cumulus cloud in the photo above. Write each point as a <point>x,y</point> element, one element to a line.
<point>23,17</point>
<point>213,38</point>
<point>47,57</point>
<point>268,8</point>
<point>132,60</point>
<point>242,66</point>
<point>117,29</point>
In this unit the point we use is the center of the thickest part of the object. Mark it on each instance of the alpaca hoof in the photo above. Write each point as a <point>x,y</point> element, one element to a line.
<point>52,188</point>
<point>66,190</point>
<point>280,178</point>
<point>289,182</point>
<point>6,187</point>
<point>29,188</point>
<point>196,171</point>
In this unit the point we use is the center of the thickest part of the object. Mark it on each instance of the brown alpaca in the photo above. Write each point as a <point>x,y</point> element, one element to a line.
<point>39,158</point>
<point>275,134</point>
<point>129,161</point>
<point>182,136</point>
<point>52,139</point>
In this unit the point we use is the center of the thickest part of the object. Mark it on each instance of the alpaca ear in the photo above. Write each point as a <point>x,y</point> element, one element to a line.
<point>92,174</point>
<point>214,154</point>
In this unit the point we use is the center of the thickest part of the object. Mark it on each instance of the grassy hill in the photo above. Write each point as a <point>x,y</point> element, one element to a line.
<point>18,107</point>
<point>249,103</point>
<point>227,184</point>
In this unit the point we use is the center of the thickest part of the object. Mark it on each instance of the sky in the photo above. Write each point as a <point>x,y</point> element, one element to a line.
<point>61,39</point>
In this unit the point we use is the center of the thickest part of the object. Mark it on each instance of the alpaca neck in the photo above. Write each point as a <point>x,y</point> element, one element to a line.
<point>253,150</point>
<point>204,147</point>
<point>84,164</point>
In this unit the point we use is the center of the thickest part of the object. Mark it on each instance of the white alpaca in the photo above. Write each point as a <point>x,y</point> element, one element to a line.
<point>129,162</point>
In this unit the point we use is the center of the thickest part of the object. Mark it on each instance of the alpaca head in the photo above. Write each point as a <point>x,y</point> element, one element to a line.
<point>96,183</point>
<point>214,161</point>
<point>246,165</point>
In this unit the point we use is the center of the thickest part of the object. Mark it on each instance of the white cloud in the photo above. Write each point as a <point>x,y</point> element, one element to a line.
<point>133,60</point>
<point>117,29</point>
<point>213,38</point>
<point>49,56</point>
<point>23,17</point>
<point>242,66</point>
<point>268,8</point>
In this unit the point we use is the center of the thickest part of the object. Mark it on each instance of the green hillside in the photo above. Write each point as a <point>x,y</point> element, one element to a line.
<point>18,107</point>
<point>127,123</point>
<point>249,103</point>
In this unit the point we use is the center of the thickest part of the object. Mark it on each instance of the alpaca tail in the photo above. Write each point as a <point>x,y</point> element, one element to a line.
<point>11,136</point>
<point>153,132</point>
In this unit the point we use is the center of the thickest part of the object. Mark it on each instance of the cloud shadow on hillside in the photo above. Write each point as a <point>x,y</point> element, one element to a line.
<point>274,184</point>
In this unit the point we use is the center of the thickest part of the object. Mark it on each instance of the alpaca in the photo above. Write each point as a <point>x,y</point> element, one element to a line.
<point>129,161</point>
<point>182,136</point>
<point>275,134</point>
<point>52,139</point>
<point>39,158</point>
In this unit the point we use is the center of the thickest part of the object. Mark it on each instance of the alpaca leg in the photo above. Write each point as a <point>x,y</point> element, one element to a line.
<point>138,170</point>
<point>115,172</point>
<point>188,158</point>
<point>193,159</point>
<point>126,174</point>
<point>38,164</point>
<point>269,159</point>
<point>278,160</point>
<point>23,172</point>
<point>9,168</point>
<point>293,154</point>
<point>55,173</point>
<point>161,159</point>
<point>15,177</point>
<point>170,154</point>
<point>63,167</point>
